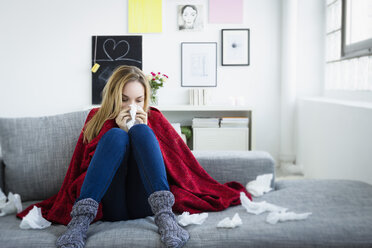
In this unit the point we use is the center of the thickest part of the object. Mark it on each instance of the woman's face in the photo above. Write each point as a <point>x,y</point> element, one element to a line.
<point>189,15</point>
<point>133,93</point>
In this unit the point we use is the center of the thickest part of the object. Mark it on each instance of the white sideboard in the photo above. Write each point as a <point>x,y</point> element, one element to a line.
<point>212,138</point>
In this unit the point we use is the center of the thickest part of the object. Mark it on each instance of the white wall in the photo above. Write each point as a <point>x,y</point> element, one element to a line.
<point>335,139</point>
<point>45,51</point>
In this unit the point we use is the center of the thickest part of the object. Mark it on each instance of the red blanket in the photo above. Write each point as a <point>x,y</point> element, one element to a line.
<point>194,189</point>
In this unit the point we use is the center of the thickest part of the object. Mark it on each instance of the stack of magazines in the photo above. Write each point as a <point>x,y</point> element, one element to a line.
<point>205,122</point>
<point>234,122</point>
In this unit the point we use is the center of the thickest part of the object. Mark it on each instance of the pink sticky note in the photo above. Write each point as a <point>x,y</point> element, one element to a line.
<point>226,11</point>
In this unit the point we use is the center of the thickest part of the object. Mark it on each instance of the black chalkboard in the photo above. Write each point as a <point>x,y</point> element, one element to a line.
<point>111,52</point>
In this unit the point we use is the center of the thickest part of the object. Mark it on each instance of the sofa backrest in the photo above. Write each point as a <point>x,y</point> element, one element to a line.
<point>36,152</point>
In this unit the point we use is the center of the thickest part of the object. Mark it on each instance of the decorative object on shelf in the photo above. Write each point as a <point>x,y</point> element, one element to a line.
<point>110,52</point>
<point>190,17</point>
<point>199,64</point>
<point>156,81</point>
<point>199,96</point>
<point>235,47</point>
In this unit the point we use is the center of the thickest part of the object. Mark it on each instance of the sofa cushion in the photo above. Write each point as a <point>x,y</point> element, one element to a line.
<point>240,166</point>
<point>341,217</point>
<point>37,151</point>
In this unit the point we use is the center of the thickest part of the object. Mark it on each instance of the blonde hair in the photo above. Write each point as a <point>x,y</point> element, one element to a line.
<point>112,98</point>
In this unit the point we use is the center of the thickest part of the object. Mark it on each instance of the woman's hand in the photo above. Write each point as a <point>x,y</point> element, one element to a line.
<point>141,116</point>
<point>123,118</point>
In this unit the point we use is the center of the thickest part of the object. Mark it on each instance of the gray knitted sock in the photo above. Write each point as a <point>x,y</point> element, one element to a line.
<point>172,235</point>
<point>83,213</point>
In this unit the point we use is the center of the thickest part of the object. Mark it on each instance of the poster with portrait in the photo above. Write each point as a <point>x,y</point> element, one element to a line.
<point>190,17</point>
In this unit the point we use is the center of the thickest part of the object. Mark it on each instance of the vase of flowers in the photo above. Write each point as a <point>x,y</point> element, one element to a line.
<point>156,81</point>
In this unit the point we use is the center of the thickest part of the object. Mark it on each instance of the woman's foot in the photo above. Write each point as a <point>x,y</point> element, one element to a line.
<point>172,235</point>
<point>83,213</point>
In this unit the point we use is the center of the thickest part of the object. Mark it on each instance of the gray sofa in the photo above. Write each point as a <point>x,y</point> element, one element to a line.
<point>36,153</point>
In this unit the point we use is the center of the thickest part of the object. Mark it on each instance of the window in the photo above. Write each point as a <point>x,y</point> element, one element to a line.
<point>356,28</point>
<point>348,63</point>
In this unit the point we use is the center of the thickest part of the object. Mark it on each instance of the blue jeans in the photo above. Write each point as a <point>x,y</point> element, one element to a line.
<point>125,169</point>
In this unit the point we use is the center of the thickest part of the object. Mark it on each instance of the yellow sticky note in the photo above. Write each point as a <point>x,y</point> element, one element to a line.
<point>95,67</point>
<point>144,16</point>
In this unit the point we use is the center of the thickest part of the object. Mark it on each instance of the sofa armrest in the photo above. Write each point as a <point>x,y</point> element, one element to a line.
<point>2,167</point>
<point>240,166</point>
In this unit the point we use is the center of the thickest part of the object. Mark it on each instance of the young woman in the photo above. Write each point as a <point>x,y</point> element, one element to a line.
<point>127,171</point>
<point>117,173</point>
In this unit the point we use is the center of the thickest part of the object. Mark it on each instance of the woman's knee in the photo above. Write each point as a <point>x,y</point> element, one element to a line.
<point>116,136</point>
<point>139,128</point>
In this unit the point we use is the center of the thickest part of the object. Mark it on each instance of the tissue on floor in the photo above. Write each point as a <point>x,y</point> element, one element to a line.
<point>230,223</point>
<point>258,207</point>
<point>274,217</point>
<point>187,219</point>
<point>12,206</point>
<point>133,111</point>
<point>261,185</point>
<point>34,220</point>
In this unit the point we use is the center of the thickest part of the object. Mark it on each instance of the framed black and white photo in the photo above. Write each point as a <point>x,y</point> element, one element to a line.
<point>235,47</point>
<point>190,17</point>
<point>199,64</point>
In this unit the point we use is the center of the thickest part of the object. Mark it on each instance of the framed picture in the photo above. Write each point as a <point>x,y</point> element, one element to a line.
<point>190,17</point>
<point>235,47</point>
<point>199,64</point>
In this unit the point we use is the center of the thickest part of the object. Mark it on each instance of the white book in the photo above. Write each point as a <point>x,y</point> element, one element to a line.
<point>200,96</point>
<point>204,97</point>
<point>196,97</point>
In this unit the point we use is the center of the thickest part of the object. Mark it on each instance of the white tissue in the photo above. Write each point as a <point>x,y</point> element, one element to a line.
<point>133,111</point>
<point>230,223</point>
<point>261,185</point>
<point>274,217</point>
<point>186,218</point>
<point>13,205</point>
<point>34,220</point>
<point>2,198</point>
<point>258,207</point>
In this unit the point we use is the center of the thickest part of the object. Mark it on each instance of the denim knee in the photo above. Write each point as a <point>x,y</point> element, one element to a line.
<point>116,137</point>
<point>138,128</point>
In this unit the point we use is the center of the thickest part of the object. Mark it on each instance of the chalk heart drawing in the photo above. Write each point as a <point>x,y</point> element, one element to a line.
<point>121,49</point>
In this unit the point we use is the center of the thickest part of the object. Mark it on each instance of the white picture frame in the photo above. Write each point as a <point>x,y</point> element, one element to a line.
<point>199,64</point>
<point>190,17</point>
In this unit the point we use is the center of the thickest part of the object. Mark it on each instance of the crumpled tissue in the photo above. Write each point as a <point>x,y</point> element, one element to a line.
<point>13,205</point>
<point>274,217</point>
<point>230,223</point>
<point>276,213</point>
<point>261,185</point>
<point>258,207</point>
<point>186,218</point>
<point>34,220</point>
<point>133,111</point>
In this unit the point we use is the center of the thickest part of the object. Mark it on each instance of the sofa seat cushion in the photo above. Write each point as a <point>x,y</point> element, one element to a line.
<point>341,217</point>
